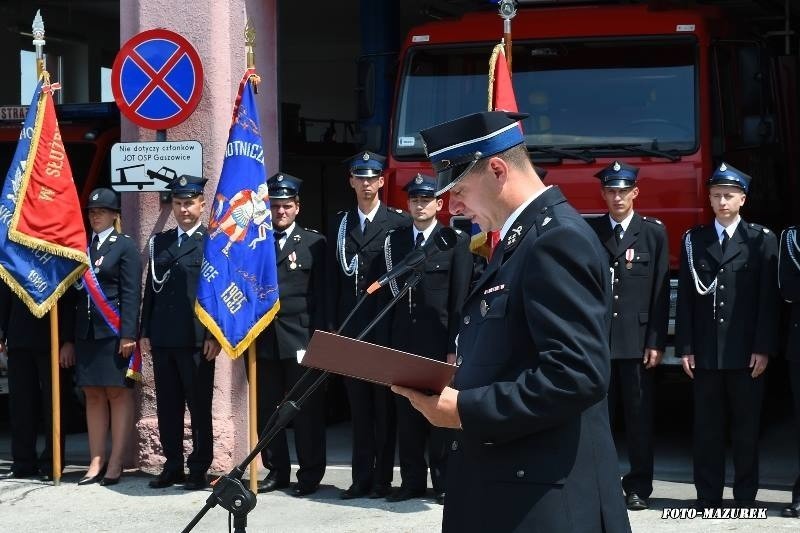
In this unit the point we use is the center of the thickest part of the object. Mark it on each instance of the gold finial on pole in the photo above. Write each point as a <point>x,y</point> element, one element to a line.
<point>250,52</point>
<point>39,42</point>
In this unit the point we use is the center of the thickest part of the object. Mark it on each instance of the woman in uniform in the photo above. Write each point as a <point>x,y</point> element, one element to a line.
<point>106,326</point>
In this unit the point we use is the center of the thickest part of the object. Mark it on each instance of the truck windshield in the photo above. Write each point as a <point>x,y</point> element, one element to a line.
<point>587,94</point>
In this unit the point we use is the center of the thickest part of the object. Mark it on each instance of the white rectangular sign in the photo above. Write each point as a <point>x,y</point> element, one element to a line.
<point>150,166</point>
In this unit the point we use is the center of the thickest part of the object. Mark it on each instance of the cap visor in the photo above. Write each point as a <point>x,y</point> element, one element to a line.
<point>448,177</point>
<point>365,173</point>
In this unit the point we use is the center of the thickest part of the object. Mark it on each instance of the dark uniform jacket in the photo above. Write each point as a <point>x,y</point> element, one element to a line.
<point>723,331</point>
<point>168,316</point>
<point>640,305</point>
<point>789,280</point>
<point>119,272</point>
<point>23,331</point>
<point>427,322</point>
<point>343,290</point>
<point>301,286</point>
<point>535,452</point>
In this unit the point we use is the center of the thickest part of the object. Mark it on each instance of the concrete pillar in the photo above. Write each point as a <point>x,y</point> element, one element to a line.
<point>216,29</point>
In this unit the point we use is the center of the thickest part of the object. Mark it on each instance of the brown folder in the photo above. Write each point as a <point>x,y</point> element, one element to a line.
<point>370,362</point>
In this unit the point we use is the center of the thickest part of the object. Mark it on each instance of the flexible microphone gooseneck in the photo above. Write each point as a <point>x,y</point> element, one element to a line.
<point>444,239</point>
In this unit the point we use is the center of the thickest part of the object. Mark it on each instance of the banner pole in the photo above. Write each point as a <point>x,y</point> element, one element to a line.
<point>55,391</point>
<point>252,400</point>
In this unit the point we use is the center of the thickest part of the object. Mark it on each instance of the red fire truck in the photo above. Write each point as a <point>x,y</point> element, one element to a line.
<point>671,91</point>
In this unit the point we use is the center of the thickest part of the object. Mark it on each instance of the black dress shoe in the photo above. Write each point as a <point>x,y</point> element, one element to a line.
<point>301,489</point>
<point>107,481</point>
<point>354,491</point>
<point>792,510</point>
<point>380,491</point>
<point>167,478</point>
<point>634,502</point>
<point>19,474</point>
<point>196,481</point>
<point>271,484</point>
<point>88,480</point>
<point>440,498</point>
<point>405,493</point>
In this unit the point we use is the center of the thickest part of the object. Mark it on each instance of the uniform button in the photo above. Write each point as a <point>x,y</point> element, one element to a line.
<point>413,305</point>
<point>616,263</point>
<point>615,315</point>
<point>722,304</point>
<point>459,360</point>
<point>722,269</point>
<point>616,280</point>
<point>721,320</point>
<point>454,445</point>
<point>616,296</point>
<point>466,320</point>
<point>520,473</point>
<point>413,320</point>
<point>722,287</point>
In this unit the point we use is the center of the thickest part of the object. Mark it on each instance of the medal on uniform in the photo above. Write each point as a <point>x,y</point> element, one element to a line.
<point>484,308</point>
<point>292,261</point>
<point>629,258</point>
<point>98,262</point>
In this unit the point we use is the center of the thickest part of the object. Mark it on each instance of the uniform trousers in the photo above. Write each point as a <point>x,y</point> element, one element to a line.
<point>374,433</point>
<point>184,377</point>
<point>275,378</point>
<point>30,400</point>
<point>632,384</point>
<point>413,433</point>
<point>722,396</point>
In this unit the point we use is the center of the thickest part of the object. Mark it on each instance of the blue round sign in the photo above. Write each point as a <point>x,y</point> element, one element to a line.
<point>157,79</point>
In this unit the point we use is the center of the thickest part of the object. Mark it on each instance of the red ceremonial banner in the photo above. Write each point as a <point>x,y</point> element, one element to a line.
<point>48,214</point>
<point>501,98</point>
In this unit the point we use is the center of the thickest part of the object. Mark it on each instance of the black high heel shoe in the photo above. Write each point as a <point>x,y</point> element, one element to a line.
<point>88,480</point>
<point>106,481</point>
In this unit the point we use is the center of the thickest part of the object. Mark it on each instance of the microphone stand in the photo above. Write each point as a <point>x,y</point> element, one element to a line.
<point>228,491</point>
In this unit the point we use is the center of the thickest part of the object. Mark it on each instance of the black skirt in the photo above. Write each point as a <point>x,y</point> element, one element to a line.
<point>99,365</point>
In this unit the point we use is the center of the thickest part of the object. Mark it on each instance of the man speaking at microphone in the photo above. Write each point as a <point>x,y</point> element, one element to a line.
<point>534,451</point>
<point>425,323</point>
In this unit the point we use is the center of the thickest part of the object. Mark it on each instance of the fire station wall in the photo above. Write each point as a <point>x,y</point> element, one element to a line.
<point>216,29</point>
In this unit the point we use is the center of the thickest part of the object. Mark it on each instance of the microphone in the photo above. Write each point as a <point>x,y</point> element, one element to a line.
<point>443,240</point>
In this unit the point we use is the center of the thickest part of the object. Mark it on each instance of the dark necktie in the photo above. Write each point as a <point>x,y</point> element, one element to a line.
<point>95,245</point>
<point>419,240</point>
<point>366,226</point>
<point>725,239</point>
<point>278,236</point>
<point>618,233</point>
<point>182,239</point>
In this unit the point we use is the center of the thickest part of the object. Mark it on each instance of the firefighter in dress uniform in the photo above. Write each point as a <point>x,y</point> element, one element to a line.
<point>638,256</point>
<point>101,355</point>
<point>533,450</point>
<point>183,351</point>
<point>356,251</point>
<point>300,256</point>
<point>425,323</point>
<point>726,329</point>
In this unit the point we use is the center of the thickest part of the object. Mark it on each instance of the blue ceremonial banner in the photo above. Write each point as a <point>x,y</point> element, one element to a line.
<point>237,295</point>
<point>38,277</point>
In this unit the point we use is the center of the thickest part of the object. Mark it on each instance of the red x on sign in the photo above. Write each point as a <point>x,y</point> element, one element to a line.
<point>157,79</point>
